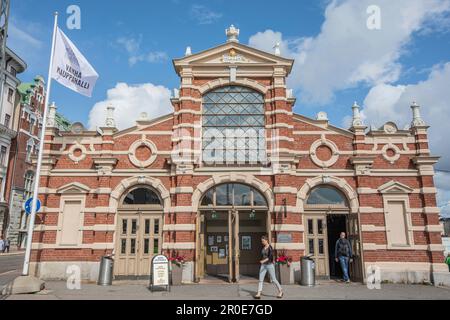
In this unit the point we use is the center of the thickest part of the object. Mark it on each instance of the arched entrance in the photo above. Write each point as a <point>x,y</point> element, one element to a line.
<point>232,219</point>
<point>327,214</point>
<point>138,232</point>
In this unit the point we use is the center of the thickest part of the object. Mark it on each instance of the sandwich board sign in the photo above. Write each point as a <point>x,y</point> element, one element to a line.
<point>160,273</point>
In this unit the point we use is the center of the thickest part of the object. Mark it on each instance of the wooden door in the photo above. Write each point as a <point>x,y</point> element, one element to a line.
<point>139,238</point>
<point>201,246</point>
<point>150,242</point>
<point>236,246</point>
<point>230,246</point>
<point>356,267</point>
<point>317,243</point>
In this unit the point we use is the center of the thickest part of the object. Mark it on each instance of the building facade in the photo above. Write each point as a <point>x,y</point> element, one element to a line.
<point>9,103</point>
<point>24,149</point>
<point>232,163</point>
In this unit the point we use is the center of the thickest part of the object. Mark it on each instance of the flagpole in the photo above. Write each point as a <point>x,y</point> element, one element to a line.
<point>26,264</point>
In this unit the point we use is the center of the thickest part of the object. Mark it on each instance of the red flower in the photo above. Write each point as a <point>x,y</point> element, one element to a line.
<point>283,259</point>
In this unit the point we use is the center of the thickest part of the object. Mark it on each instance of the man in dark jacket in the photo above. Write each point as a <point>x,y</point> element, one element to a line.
<point>343,255</point>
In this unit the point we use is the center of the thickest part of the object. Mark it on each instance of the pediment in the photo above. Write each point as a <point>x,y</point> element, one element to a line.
<point>233,54</point>
<point>395,187</point>
<point>75,188</point>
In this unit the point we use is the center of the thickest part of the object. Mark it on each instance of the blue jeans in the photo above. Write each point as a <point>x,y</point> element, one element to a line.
<point>262,275</point>
<point>344,266</point>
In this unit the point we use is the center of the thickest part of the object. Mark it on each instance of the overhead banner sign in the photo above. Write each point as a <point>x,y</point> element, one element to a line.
<point>70,68</point>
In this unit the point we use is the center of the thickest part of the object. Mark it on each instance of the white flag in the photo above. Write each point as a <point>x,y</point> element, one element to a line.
<point>70,68</point>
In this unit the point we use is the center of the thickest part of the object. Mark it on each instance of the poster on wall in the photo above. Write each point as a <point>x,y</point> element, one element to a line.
<point>246,243</point>
<point>214,249</point>
<point>222,254</point>
<point>210,240</point>
<point>219,239</point>
<point>225,238</point>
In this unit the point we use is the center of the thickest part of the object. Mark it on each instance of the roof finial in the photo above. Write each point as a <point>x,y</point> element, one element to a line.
<point>417,118</point>
<point>232,34</point>
<point>51,118</point>
<point>277,49</point>
<point>357,121</point>
<point>110,122</point>
<point>188,51</point>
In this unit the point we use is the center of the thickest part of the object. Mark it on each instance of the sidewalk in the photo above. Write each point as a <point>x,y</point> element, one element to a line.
<point>324,291</point>
<point>12,253</point>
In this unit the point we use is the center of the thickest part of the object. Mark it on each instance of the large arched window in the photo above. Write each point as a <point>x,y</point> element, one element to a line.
<point>141,196</point>
<point>326,196</point>
<point>233,126</point>
<point>233,194</point>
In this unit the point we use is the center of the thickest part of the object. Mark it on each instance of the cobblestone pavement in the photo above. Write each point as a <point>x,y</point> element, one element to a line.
<point>323,291</point>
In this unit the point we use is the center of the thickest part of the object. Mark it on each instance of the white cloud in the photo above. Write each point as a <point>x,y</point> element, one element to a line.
<point>391,102</point>
<point>130,101</point>
<point>135,55</point>
<point>346,53</point>
<point>204,15</point>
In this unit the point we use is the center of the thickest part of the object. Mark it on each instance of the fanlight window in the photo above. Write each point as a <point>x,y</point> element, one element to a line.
<point>233,126</point>
<point>142,196</point>
<point>234,194</point>
<point>325,196</point>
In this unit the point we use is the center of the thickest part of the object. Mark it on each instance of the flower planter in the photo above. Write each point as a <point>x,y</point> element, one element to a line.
<point>177,275</point>
<point>285,274</point>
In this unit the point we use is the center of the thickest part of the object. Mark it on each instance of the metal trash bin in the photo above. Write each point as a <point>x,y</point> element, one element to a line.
<point>105,275</point>
<point>308,272</point>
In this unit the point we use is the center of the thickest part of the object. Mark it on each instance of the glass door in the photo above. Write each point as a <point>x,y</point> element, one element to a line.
<point>316,243</point>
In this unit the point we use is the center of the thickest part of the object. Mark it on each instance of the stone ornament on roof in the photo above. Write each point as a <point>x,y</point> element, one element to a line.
<point>51,119</point>
<point>110,122</point>
<point>232,34</point>
<point>417,118</point>
<point>357,120</point>
<point>277,49</point>
<point>233,57</point>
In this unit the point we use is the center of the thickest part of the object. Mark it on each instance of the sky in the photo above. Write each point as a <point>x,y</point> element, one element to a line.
<point>383,54</point>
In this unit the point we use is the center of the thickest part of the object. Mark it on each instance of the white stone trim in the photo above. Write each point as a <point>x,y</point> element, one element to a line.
<point>178,246</point>
<point>221,82</point>
<point>181,190</point>
<point>81,157</point>
<point>94,246</point>
<point>288,246</point>
<point>339,183</point>
<point>374,247</point>
<point>327,143</point>
<point>220,178</point>
<point>179,227</point>
<point>142,143</point>
<point>291,190</point>
<point>287,227</point>
<point>127,184</point>
<point>395,157</point>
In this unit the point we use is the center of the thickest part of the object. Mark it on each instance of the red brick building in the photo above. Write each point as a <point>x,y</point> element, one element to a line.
<point>233,162</point>
<point>27,122</point>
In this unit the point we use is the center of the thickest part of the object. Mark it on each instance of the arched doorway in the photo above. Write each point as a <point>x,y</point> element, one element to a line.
<point>327,214</point>
<point>232,219</point>
<point>138,232</point>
